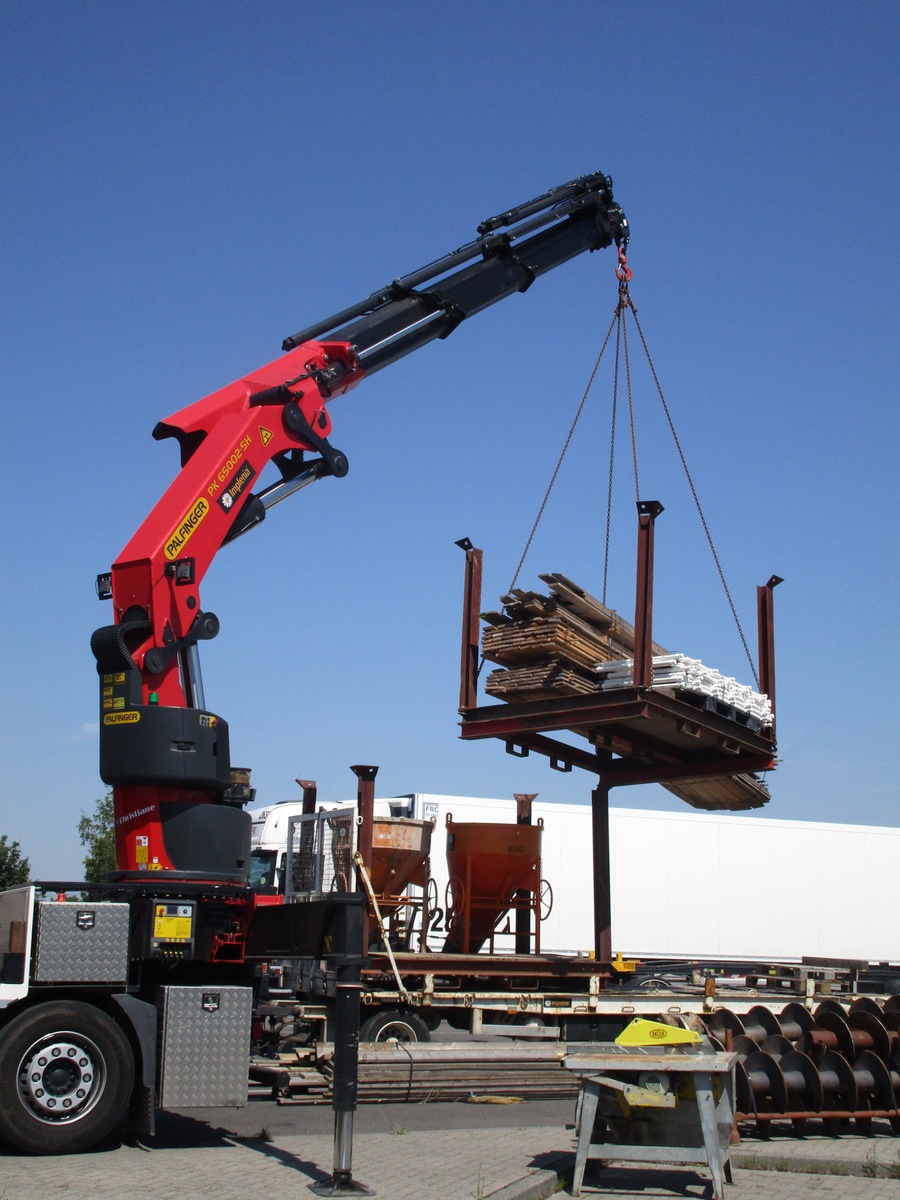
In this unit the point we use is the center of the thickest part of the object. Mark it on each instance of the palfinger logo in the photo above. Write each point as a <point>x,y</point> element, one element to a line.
<point>186,527</point>
<point>128,717</point>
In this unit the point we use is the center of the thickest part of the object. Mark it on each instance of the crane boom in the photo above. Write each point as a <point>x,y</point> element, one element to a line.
<point>164,753</point>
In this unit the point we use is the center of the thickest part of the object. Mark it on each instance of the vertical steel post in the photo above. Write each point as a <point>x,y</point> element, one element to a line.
<point>648,511</point>
<point>310,792</point>
<point>524,801</point>
<point>468,671</point>
<point>347,947</point>
<point>365,807</point>
<point>765,611</point>
<point>602,886</point>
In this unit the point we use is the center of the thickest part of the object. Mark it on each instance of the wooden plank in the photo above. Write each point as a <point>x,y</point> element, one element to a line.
<point>734,793</point>
<point>538,682</point>
<point>557,637</point>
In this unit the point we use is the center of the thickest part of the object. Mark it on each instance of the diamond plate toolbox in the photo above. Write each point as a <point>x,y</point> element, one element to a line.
<point>81,943</point>
<point>204,1046</point>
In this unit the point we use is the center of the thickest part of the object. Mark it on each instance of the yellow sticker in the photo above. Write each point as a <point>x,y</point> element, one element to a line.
<point>128,717</point>
<point>172,929</point>
<point>186,528</point>
<point>265,434</point>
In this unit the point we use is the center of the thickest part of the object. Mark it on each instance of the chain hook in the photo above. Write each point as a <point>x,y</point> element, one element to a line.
<point>624,273</point>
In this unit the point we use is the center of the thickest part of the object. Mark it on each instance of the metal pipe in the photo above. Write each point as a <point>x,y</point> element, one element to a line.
<point>190,661</point>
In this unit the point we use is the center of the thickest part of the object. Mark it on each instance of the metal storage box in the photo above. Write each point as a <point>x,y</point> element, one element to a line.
<point>204,1046</point>
<point>81,943</point>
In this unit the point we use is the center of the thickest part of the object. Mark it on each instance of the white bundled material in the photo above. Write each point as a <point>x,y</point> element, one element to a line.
<point>689,675</point>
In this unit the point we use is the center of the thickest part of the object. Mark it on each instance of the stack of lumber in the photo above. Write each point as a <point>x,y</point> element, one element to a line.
<point>423,1071</point>
<point>550,644</point>
<point>453,1071</point>
<point>736,793</point>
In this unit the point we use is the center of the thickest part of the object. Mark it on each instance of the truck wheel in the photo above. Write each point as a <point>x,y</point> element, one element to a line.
<point>393,1025</point>
<point>66,1077</point>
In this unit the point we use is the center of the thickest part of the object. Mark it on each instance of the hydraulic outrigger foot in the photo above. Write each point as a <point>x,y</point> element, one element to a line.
<point>342,1182</point>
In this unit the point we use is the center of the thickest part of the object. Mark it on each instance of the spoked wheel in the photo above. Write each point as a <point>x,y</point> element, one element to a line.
<point>454,903</point>
<point>546,899</point>
<point>394,1025</point>
<point>66,1076</point>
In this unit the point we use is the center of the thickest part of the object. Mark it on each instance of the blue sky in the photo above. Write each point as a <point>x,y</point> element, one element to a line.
<point>188,183</point>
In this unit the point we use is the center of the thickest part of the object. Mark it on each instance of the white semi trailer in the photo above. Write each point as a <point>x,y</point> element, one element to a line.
<point>709,886</point>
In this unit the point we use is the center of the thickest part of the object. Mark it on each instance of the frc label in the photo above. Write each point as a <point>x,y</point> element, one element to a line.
<point>186,528</point>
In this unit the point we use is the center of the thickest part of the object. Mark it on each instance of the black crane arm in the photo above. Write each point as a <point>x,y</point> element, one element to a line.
<point>563,223</point>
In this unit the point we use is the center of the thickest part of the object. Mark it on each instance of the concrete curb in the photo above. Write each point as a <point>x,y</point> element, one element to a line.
<point>798,1165</point>
<point>538,1185</point>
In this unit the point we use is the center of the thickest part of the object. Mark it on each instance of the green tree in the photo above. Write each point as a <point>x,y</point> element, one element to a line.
<point>98,836</point>
<point>14,869</point>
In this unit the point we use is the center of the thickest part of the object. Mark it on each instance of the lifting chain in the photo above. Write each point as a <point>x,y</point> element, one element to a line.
<point>624,274</point>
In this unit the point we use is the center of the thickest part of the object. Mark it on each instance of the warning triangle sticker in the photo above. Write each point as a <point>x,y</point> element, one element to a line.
<point>265,434</point>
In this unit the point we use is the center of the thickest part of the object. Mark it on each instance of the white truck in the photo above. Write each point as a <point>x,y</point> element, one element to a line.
<point>708,886</point>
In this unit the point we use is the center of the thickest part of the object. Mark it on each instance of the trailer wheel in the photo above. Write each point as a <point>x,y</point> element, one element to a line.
<point>391,1024</point>
<point>66,1077</point>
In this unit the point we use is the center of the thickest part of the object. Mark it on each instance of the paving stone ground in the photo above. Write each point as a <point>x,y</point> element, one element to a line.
<point>520,1163</point>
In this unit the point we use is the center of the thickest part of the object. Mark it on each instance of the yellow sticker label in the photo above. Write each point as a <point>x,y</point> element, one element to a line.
<point>186,529</point>
<point>128,717</point>
<point>172,929</point>
<point>265,434</point>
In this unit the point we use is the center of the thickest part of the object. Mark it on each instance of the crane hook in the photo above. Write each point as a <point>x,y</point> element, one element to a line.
<point>624,273</point>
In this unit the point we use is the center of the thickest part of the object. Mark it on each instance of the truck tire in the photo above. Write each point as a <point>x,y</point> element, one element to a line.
<point>66,1077</point>
<point>392,1024</point>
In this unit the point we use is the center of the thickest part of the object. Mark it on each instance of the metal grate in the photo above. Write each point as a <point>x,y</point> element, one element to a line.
<point>320,854</point>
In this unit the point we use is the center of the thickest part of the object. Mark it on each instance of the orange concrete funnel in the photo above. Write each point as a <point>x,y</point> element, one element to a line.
<point>488,865</point>
<point>400,851</point>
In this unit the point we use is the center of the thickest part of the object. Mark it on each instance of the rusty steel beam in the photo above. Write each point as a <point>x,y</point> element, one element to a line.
<point>310,792</point>
<point>505,720</point>
<point>648,511</point>
<point>765,608</point>
<point>621,773</point>
<point>365,804</point>
<point>365,807</point>
<point>524,803</point>
<point>602,885</point>
<point>468,670</point>
<point>563,756</point>
<point>593,713</point>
